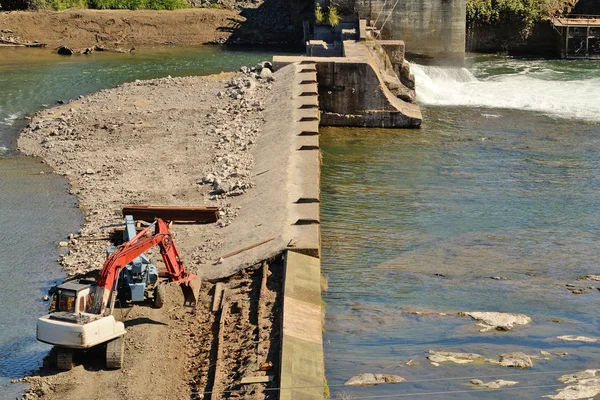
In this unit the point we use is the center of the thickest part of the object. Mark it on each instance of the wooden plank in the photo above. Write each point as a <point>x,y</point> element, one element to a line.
<point>256,379</point>
<point>217,389</point>
<point>173,213</point>
<point>218,296</point>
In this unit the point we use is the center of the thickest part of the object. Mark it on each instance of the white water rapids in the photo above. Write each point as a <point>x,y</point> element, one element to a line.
<point>523,90</point>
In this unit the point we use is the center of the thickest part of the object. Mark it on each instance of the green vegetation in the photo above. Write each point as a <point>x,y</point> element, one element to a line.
<point>326,391</point>
<point>520,13</point>
<point>93,4</point>
<point>319,16</point>
<point>333,16</point>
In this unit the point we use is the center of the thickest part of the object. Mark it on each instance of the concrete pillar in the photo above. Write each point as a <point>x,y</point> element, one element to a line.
<point>431,29</point>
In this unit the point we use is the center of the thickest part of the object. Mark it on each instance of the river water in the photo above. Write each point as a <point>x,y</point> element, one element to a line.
<point>503,180</point>
<point>36,211</point>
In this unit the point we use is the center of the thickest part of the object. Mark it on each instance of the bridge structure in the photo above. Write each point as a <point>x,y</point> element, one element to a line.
<point>580,36</point>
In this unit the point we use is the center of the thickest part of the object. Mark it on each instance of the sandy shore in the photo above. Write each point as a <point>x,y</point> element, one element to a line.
<point>182,141</point>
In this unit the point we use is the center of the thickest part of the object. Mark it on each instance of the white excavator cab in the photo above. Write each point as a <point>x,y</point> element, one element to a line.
<point>71,326</point>
<point>72,297</point>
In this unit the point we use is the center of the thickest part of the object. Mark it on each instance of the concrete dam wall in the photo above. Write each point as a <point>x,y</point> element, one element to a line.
<point>431,29</point>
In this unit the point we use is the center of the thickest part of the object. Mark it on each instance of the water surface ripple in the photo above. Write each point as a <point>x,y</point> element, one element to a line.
<point>419,221</point>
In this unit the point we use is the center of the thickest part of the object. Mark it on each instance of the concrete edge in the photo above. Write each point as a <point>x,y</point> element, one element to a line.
<point>302,373</point>
<point>302,363</point>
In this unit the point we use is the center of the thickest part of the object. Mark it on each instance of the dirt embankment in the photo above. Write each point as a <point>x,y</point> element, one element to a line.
<point>182,141</point>
<point>122,28</point>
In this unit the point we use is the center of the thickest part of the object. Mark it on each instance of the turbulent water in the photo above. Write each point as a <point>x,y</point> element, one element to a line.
<point>555,88</point>
<point>35,210</point>
<point>501,181</point>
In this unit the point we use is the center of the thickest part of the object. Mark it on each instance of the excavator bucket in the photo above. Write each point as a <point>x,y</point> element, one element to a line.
<point>191,290</point>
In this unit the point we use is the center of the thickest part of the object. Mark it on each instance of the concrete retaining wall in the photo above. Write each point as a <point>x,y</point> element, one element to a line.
<point>352,91</point>
<point>432,29</point>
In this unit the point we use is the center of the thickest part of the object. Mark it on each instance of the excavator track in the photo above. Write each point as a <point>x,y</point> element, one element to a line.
<point>64,358</point>
<point>115,352</point>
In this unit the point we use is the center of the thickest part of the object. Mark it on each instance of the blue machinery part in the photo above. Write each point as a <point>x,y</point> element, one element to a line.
<point>140,275</point>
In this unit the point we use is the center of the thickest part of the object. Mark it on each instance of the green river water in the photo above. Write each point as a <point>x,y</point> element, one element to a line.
<point>502,180</point>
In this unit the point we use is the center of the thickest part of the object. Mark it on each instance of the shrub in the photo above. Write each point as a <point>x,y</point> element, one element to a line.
<point>319,16</point>
<point>333,16</point>
<point>64,4</point>
<point>521,13</point>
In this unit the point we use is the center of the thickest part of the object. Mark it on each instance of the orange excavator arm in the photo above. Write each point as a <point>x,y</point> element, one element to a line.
<point>130,250</point>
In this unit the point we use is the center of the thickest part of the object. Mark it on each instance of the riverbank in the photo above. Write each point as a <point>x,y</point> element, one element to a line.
<point>80,28</point>
<point>262,23</point>
<point>181,141</point>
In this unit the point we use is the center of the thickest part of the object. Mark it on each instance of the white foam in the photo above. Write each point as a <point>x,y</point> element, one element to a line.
<point>3,149</point>
<point>523,90</point>
<point>10,120</point>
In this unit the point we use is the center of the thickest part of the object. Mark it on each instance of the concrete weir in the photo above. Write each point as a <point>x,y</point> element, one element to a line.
<point>302,370</point>
<point>362,88</point>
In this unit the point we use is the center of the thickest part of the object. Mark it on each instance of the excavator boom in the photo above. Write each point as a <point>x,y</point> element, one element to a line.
<point>127,252</point>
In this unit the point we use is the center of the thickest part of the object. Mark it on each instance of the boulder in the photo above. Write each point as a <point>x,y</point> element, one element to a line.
<point>373,379</point>
<point>516,359</point>
<point>267,74</point>
<point>581,385</point>
<point>437,357</point>
<point>497,384</point>
<point>497,321</point>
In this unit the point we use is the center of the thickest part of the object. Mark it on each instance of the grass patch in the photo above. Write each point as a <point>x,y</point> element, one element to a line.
<point>326,391</point>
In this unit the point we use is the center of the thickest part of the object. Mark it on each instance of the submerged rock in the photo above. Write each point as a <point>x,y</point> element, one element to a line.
<point>497,384</point>
<point>516,359</point>
<point>373,379</point>
<point>437,357</point>
<point>589,278</point>
<point>497,321</point>
<point>581,385</point>
<point>573,338</point>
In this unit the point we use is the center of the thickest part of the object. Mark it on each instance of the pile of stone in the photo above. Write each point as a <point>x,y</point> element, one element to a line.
<point>236,132</point>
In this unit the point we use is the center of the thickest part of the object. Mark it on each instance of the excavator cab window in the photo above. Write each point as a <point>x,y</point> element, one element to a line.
<point>89,302</point>
<point>66,301</point>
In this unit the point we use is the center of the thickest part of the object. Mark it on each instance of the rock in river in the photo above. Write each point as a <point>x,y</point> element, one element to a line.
<point>516,359</point>
<point>373,379</point>
<point>581,385</point>
<point>573,338</point>
<point>493,384</point>
<point>497,321</point>
<point>437,357</point>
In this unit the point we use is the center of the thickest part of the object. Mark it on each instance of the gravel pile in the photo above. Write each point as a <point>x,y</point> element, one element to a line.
<point>170,141</point>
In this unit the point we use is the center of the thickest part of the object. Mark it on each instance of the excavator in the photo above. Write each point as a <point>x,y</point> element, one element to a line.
<point>82,316</point>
